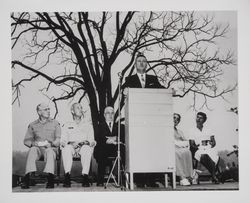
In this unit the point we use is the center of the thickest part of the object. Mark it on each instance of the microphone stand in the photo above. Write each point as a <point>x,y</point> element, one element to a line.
<point>117,161</point>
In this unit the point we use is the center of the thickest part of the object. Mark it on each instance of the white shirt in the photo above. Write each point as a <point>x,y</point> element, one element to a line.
<point>110,127</point>
<point>73,132</point>
<point>143,83</point>
<point>197,135</point>
<point>180,139</point>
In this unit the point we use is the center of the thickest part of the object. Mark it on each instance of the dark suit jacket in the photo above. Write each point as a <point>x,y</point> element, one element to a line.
<point>133,81</point>
<point>103,133</point>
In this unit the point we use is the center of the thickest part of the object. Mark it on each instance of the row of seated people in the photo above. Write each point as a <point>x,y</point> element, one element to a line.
<point>44,136</point>
<point>197,147</point>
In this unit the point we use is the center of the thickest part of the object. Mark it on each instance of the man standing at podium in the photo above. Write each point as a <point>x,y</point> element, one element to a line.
<point>142,80</point>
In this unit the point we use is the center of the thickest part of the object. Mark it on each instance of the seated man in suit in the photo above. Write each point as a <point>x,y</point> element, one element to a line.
<point>202,146</point>
<point>77,137</point>
<point>42,137</point>
<point>107,143</point>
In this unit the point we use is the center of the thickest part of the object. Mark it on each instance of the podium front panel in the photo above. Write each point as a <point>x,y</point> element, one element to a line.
<point>149,131</point>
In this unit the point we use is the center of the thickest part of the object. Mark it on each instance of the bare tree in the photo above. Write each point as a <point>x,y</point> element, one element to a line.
<point>76,52</point>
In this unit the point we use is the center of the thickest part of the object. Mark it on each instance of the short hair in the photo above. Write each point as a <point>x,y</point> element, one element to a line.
<point>178,115</point>
<point>41,104</point>
<point>37,107</point>
<point>140,55</point>
<point>108,107</point>
<point>73,105</point>
<point>203,115</point>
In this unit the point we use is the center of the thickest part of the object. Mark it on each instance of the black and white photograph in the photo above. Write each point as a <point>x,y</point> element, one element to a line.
<point>126,101</point>
<point>104,94</point>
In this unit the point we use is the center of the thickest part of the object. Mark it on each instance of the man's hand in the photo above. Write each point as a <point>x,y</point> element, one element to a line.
<point>111,140</point>
<point>74,144</point>
<point>92,144</point>
<point>35,144</point>
<point>125,92</point>
<point>212,141</point>
<point>62,144</point>
<point>48,145</point>
<point>85,142</point>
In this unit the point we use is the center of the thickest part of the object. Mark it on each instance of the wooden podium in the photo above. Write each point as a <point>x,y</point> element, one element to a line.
<point>149,133</point>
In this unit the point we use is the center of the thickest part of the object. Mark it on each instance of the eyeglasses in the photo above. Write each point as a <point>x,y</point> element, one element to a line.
<point>46,109</point>
<point>112,113</point>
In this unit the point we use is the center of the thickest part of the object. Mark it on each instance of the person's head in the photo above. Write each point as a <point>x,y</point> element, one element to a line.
<point>43,111</point>
<point>109,114</point>
<point>201,118</point>
<point>76,110</point>
<point>177,119</point>
<point>141,63</point>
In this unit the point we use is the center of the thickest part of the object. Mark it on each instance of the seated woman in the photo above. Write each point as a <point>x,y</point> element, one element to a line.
<point>183,156</point>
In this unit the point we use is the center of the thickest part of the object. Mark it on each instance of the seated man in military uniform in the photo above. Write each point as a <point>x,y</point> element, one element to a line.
<point>77,137</point>
<point>42,137</point>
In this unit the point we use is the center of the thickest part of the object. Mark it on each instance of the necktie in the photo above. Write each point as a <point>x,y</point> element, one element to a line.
<point>110,126</point>
<point>142,81</point>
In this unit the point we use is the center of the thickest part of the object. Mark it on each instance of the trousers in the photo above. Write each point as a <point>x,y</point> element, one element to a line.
<point>211,152</point>
<point>85,152</point>
<point>35,153</point>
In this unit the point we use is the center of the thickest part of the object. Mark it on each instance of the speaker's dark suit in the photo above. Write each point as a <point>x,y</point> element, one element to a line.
<point>104,150</point>
<point>133,81</point>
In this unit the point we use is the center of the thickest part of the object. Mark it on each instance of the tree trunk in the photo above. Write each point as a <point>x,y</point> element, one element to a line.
<point>94,112</point>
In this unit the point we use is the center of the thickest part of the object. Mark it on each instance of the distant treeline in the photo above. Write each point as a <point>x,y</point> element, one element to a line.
<point>19,161</point>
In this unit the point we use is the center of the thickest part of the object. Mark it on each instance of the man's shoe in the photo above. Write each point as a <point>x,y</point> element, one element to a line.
<point>85,181</point>
<point>26,181</point>
<point>25,186</point>
<point>140,185</point>
<point>50,183</point>
<point>100,184</point>
<point>215,180</point>
<point>152,184</point>
<point>67,182</point>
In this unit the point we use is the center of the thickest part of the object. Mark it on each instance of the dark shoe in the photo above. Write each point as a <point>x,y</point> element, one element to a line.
<point>67,182</point>
<point>26,181</point>
<point>140,185</point>
<point>215,180</point>
<point>100,184</point>
<point>100,181</point>
<point>85,181</point>
<point>24,186</point>
<point>50,183</point>
<point>152,184</point>
<point>32,182</point>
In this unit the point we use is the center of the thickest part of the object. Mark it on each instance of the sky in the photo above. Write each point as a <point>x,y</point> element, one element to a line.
<point>220,120</point>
